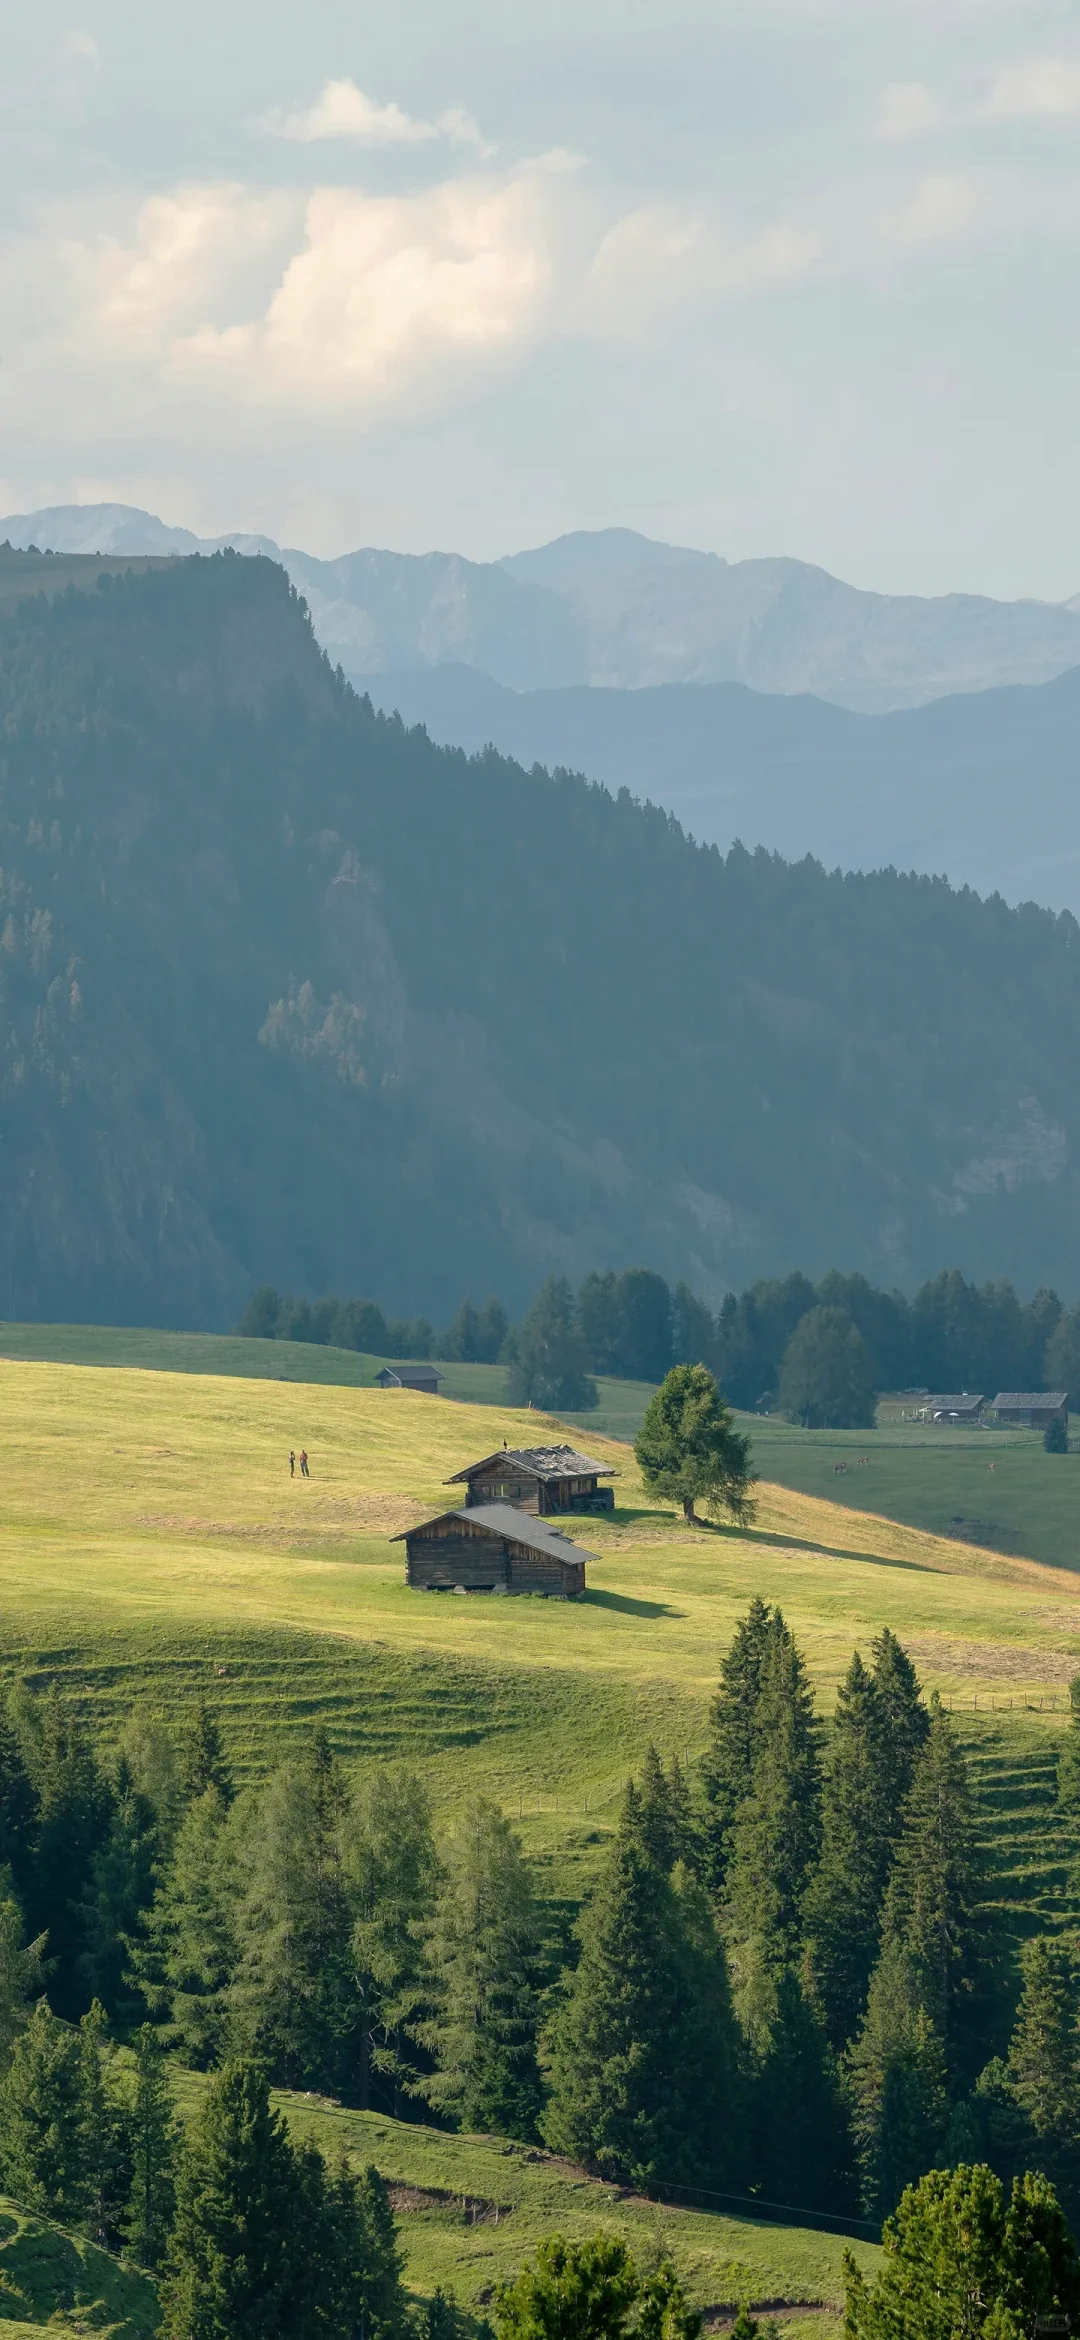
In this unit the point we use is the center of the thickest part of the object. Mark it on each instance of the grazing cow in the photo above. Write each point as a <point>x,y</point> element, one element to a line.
<point>839,1467</point>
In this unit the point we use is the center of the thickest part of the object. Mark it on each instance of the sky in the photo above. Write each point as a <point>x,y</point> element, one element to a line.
<point>759,276</point>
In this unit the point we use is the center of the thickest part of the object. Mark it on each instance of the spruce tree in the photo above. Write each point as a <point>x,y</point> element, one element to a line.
<point>118,1893</point>
<point>74,1811</point>
<point>485,1955</point>
<point>45,2145</point>
<point>842,1909</point>
<point>570,2291</point>
<point>905,1719</point>
<point>186,1960</point>
<point>18,1807</point>
<point>642,2052</point>
<point>392,1874</point>
<point>202,1760</point>
<point>149,1750</point>
<point>727,1767</point>
<point>359,2289</point>
<point>106,2118</point>
<point>802,2147</point>
<point>22,1976</point>
<point>776,1838</point>
<point>241,2250</point>
<point>933,1893</point>
<point>154,2145</point>
<point>898,2086</point>
<point>1044,2063</point>
<point>292,1997</point>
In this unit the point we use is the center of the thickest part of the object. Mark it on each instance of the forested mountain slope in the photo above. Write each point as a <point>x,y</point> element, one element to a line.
<point>288,993</point>
<point>982,788</point>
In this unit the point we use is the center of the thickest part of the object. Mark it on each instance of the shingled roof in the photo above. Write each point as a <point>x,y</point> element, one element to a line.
<point>1032,1401</point>
<point>548,1462</point>
<point>520,1527</point>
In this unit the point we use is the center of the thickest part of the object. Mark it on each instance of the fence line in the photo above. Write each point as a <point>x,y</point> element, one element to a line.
<point>533,1803</point>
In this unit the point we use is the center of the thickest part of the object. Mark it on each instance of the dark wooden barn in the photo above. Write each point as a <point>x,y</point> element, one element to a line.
<point>410,1377</point>
<point>493,1548</point>
<point>544,1479</point>
<point>1031,1409</point>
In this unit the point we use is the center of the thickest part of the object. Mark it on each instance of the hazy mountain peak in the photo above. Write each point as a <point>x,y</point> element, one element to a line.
<point>586,553</point>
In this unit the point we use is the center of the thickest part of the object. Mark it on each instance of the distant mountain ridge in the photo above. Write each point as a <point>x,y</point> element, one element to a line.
<point>984,788</point>
<point>611,609</point>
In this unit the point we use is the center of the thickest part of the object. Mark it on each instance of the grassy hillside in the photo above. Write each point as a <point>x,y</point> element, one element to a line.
<point>472,2209</point>
<point>151,1541</point>
<point>48,2276</point>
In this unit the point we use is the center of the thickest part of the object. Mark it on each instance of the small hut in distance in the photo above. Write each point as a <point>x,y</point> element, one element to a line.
<point>544,1479</point>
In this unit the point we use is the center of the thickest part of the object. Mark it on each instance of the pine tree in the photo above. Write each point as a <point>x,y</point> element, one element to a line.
<point>727,1767</point>
<point>956,2261</point>
<point>905,1719</point>
<point>242,2250</point>
<point>392,1874</point>
<point>292,1997</point>
<point>570,2291</point>
<point>898,2087</point>
<point>45,2148</point>
<point>642,2052</point>
<point>185,1964</point>
<point>154,2143</point>
<point>842,1909</point>
<point>776,1837</point>
<point>934,1889</point>
<point>1044,2063</point>
<point>202,1760</point>
<point>656,1815</point>
<point>485,1953</point>
<point>802,2147</point>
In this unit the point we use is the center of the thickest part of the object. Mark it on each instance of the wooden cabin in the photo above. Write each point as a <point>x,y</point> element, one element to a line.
<point>410,1377</point>
<point>490,1547</point>
<point>544,1479</point>
<point>960,1407</point>
<point>1031,1409</point>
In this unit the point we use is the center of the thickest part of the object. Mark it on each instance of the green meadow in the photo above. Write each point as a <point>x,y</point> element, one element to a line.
<point>153,1546</point>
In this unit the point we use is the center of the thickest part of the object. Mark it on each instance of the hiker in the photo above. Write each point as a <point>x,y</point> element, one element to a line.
<point>292,1464</point>
<point>304,1471</point>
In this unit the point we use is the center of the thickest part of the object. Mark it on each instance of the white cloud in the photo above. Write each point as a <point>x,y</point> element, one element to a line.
<point>908,109</point>
<point>661,258</point>
<point>342,110</point>
<point>943,206</point>
<point>79,48</point>
<point>1035,88</point>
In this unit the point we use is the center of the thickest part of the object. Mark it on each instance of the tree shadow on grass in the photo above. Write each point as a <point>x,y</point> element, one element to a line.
<point>781,1543</point>
<point>630,1608</point>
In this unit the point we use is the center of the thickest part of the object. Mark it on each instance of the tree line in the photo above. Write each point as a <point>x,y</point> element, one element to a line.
<point>953,1335</point>
<point>785,1981</point>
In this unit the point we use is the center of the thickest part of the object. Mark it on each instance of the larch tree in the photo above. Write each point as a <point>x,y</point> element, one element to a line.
<point>393,1874</point>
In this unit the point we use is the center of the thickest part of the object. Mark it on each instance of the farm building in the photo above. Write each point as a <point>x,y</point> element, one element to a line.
<point>1031,1409</point>
<point>493,1548</point>
<point>959,1407</point>
<point>410,1377</point>
<point>544,1479</point>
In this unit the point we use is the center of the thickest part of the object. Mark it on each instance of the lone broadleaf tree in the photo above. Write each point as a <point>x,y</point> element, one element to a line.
<point>689,1449</point>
